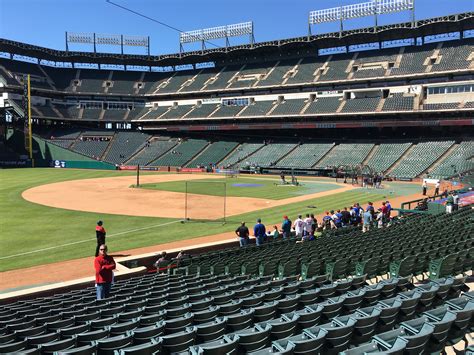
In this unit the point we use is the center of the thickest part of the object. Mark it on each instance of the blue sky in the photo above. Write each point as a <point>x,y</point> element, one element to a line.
<point>44,22</point>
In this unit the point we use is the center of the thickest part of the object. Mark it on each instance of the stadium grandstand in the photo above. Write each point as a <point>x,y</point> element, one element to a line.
<point>393,101</point>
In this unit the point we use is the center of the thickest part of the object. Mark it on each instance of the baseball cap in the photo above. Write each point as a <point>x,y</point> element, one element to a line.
<point>285,217</point>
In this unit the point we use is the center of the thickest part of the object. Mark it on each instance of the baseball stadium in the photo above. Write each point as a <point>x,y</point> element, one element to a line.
<point>350,151</point>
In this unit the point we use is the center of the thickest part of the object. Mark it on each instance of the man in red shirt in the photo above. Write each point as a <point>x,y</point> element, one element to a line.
<point>100,235</point>
<point>103,264</point>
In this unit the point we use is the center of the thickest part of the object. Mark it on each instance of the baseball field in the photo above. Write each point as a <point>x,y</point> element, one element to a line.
<point>49,215</point>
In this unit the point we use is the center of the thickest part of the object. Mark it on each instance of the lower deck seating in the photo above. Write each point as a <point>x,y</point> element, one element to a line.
<point>223,309</point>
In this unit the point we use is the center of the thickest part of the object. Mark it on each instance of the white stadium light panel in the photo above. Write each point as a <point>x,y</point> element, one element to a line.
<point>108,39</point>
<point>214,32</point>
<point>238,29</point>
<point>80,37</point>
<point>135,41</point>
<point>364,9</point>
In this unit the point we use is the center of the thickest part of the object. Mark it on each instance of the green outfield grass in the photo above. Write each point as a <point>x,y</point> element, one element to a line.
<point>33,234</point>
<point>268,188</point>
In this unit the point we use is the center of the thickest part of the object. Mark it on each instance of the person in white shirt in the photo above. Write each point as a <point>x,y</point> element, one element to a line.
<point>380,218</point>
<point>298,225</point>
<point>308,225</point>
<point>436,192</point>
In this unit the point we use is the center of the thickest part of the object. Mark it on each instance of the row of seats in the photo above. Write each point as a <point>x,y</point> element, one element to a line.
<point>448,56</point>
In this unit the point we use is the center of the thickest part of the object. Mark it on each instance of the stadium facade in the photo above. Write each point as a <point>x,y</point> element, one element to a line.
<point>398,98</point>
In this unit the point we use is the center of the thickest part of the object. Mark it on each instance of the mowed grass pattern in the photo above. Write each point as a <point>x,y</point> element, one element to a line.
<point>266,188</point>
<point>33,234</point>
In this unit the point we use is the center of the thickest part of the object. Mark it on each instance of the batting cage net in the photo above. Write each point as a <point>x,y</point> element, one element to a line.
<point>205,201</point>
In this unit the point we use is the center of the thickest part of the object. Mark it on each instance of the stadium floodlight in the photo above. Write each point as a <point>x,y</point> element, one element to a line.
<point>358,10</point>
<point>108,39</point>
<point>214,33</point>
<point>191,36</point>
<point>135,41</point>
<point>206,34</point>
<point>325,15</point>
<point>240,29</point>
<point>390,6</point>
<point>114,40</point>
<point>370,8</point>
<point>87,38</point>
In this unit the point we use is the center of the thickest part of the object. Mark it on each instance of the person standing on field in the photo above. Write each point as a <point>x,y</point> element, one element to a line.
<point>100,235</point>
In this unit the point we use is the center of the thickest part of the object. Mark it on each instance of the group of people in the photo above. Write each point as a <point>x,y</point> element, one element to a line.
<point>308,228</point>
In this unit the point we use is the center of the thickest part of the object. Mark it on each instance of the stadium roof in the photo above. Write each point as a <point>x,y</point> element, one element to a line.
<point>421,28</point>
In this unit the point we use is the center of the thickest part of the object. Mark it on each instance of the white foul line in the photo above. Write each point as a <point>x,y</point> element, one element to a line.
<point>87,240</point>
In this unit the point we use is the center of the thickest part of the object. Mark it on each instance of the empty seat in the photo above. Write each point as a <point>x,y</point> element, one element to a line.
<point>308,342</point>
<point>366,322</point>
<point>152,347</point>
<point>145,334</point>
<point>227,345</point>
<point>284,326</point>
<point>240,320</point>
<point>179,341</point>
<point>109,345</point>
<point>178,324</point>
<point>59,345</point>
<point>254,338</point>
<point>89,337</point>
<point>211,331</point>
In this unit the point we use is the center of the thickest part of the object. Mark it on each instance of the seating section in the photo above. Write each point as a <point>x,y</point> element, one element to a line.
<point>324,105</point>
<point>198,82</point>
<point>124,145</point>
<point>176,112</point>
<point>366,104</point>
<point>14,71</point>
<point>458,161</point>
<point>305,155</point>
<point>346,154</point>
<point>455,56</point>
<point>153,150</point>
<point>447,56</point>
<point>201,111</point>
<point>46,111</point>
<point>213,154</point>
<point>372,64</point>
<point>386,155</point>
<point>176,81</point>
<point>221,81</point>
<point>92,80</point>
<point>115,114</point>
<point>413,60</point>
<point>420,158</point>
<point>277,74</point>
<point>299,297</point>
<point>289,107</point>
<point>181,154</point>
<point>306,70</point>
<point>92,148</point>
<point>441,106</point>
<point>227,111</point>
<point>153,113</point>
<point>268,155</point>
<point>258,108</point>
<point>124,82</point>
<point>239,154</point>
<point>398,102</point>
<point>337,68</point>
<point>251,74</point>
<point>63,78</point>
